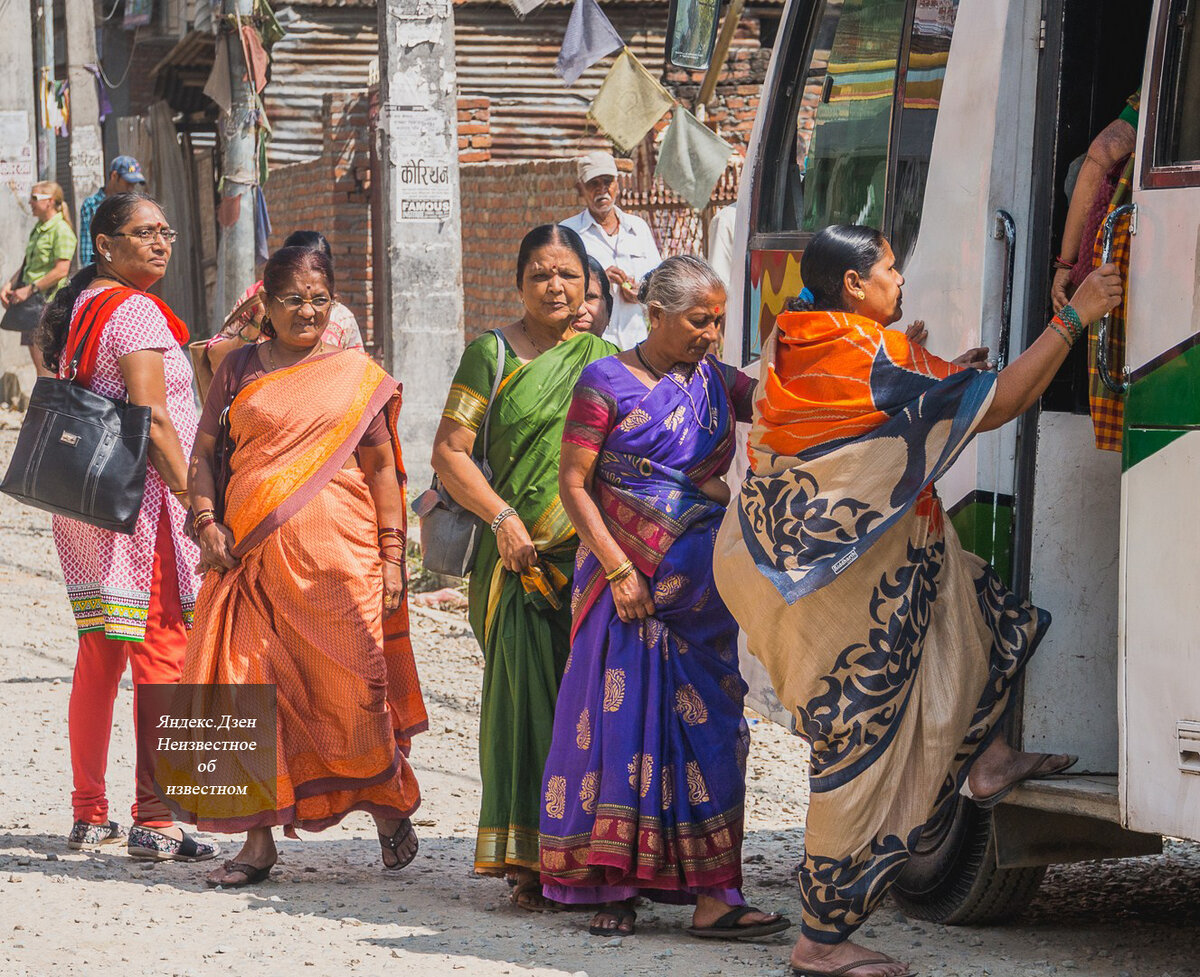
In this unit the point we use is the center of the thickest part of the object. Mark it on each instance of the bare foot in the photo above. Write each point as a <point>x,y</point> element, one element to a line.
<point>258,851</point>
<point>1000,766</point>
<point>709,910</point>
<point>808,955</point>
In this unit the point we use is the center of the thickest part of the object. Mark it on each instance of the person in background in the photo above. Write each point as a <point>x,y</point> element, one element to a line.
<point>645,780</point>
<point>520,608</point>
<point>621,242</point>
<point>47,262</point>
<point>596,311</point>
<point>124,176</point>
<point>132,595</point>
<point>244,323</point>
<point>720,242</point>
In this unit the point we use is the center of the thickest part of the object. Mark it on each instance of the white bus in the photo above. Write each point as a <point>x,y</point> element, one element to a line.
<point>951,125</point>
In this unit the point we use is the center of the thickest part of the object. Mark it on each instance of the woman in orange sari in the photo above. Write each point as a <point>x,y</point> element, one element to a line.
<point>305,582</point>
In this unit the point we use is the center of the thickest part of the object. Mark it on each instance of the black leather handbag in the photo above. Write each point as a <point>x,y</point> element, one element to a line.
<point>81,454</point>
<point>24,316</point>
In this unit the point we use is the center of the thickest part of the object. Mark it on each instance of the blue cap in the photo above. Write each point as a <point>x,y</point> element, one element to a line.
<point>128,169</point>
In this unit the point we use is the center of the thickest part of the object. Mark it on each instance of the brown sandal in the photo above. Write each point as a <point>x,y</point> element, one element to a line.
<point>528,895</point>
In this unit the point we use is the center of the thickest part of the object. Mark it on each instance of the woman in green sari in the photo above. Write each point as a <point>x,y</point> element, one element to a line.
<point>521,581</point>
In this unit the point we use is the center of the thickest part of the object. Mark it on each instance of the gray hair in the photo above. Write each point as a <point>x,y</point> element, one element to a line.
<point>679,283</point>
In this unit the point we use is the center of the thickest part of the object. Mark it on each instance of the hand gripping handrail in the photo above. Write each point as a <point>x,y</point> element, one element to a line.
<point>1103,367</point>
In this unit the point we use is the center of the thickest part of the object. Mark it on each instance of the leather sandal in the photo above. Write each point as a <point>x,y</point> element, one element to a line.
<point>729,927</point>
<point>391,843</point>
<point>253,875</point>
<point>845,971</point>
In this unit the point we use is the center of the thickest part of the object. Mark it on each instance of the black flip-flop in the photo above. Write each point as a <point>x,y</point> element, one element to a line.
<point>624,915</point>
<point>727,928</point>
<point>392,843</point>
<point>253,875</point>
<point>991,800</point>
<point>843,971</point>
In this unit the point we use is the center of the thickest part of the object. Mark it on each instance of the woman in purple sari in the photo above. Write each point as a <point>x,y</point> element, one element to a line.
<point>644,783</point>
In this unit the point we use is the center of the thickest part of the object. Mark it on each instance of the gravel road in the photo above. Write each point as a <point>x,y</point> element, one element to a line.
<point>329,909</point>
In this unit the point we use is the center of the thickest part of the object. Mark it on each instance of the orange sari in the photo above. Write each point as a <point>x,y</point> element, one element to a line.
<point>303,610</point>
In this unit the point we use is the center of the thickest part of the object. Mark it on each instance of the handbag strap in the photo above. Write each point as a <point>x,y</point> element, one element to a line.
<point>81,343</point>
<point>487,414</point>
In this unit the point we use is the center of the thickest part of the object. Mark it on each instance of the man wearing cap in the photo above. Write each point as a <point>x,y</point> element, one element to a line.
<point>124,176</point>
<point>621,242</point>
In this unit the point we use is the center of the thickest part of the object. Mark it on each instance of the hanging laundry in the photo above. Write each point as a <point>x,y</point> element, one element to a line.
<point>523,8</point>
<point>262,225</point>
<point>589,37</point>
<point>629,102</point>
<point>218,86</point>
<point>257,60</point>
<point>692,158</point>
<point>102,102</point>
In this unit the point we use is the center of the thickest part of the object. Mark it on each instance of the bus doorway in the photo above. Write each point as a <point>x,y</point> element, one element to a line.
<point>1067,536</point>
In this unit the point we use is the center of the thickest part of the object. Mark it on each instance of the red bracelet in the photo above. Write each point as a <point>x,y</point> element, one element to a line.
<point>1062,264</point>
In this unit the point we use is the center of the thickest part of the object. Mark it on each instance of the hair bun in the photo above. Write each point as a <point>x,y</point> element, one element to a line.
<point>643,292</point>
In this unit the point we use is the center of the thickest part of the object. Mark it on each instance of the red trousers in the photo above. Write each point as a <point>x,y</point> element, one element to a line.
<point>98,670</point>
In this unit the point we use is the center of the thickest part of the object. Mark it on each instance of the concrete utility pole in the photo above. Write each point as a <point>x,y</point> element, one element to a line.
<point>239,168</point>
<point>422,232</point>
<point>87,145</point>
<point>18,163</point>
<point>47,147</point>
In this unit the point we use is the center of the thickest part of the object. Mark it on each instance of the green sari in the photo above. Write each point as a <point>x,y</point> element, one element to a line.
<point>522,622</point>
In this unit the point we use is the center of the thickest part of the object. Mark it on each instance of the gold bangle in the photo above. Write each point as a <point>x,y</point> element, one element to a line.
<point>620,573</point>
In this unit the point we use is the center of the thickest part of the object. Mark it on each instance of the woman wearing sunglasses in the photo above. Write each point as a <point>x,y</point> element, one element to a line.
<point>47,258</point>
<point>132,594</point>
<point>304,587</point>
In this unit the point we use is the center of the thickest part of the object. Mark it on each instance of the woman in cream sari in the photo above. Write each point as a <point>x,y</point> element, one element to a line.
<point>520,589</point>
<point>896,650</point>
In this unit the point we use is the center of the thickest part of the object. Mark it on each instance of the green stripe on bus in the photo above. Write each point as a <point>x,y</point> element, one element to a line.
<point>1161,406</point>
<point>977,524</point>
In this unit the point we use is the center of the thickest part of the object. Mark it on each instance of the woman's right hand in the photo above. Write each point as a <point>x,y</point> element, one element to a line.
<point>1099,294</point>
<point>631,594</point>
<point>216,549</point>
<point>517,551</point>
<point>6,295</point>
<point>1058,289</point>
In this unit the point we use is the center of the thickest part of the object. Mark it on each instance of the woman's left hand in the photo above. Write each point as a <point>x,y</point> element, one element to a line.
<point>393,588</point>
<point>975,359</point>
<point>917,333</point>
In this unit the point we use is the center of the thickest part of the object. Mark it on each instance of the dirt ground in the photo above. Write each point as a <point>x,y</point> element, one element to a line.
<point>329,908</point>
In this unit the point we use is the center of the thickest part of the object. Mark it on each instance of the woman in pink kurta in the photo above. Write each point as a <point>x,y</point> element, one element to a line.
<point>132,595</point>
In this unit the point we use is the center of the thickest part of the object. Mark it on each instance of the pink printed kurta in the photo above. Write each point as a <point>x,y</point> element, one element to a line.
<point>109,574</point>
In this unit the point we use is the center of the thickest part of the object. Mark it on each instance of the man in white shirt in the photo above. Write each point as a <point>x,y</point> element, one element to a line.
<point>621,242</point>
<point>720,243</point>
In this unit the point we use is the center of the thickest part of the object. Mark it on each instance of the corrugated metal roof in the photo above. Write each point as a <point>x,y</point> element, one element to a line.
<point>326,49</point>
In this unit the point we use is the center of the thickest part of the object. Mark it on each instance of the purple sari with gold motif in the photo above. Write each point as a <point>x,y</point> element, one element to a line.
<point>645,779</point>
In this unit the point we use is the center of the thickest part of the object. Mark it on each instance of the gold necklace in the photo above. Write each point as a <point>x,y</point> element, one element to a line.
<point>319,348</point>
<point>532,341</point>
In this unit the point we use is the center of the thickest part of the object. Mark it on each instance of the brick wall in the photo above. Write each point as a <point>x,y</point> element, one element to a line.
<point>474,129</point>
<point>501,202</point>
<point>331,194</point>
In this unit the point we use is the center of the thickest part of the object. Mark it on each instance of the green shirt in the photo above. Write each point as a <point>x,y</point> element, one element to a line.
<point>49,243</point>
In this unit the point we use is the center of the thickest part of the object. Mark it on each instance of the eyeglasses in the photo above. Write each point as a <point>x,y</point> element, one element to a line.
<point>293,303</point>
<point>147,234</point>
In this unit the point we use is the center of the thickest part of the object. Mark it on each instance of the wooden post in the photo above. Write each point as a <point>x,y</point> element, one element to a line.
<point>728,28</point>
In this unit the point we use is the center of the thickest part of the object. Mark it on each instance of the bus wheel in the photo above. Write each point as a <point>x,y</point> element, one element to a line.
<point>952,877</point>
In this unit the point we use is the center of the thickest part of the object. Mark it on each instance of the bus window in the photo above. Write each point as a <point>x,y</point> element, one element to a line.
<point>839,172</point>
<point>929,50</point>
<point>1178,137</point>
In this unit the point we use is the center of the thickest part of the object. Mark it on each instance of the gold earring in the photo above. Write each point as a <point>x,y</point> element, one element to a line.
<point>860,295</point>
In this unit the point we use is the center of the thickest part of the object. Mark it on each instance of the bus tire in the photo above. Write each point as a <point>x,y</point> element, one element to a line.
<point>952,877</point>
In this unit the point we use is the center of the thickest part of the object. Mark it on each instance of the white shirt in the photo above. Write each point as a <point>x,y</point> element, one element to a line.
<point>634,251</point>
<point>720,243</point>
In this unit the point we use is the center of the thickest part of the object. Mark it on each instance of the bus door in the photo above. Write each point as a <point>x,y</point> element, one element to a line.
<point>1160,534</point>
<point>914,116</point>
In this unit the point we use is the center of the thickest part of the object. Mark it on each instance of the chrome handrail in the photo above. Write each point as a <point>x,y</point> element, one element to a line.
<point>1006,228</point>
<point>1102,365</point>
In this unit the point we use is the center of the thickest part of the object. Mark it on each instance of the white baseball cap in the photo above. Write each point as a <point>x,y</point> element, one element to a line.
<point>594,164</point>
